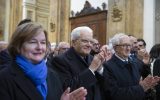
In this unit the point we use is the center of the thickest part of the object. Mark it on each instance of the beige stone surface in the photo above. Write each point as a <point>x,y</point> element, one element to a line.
<point>132,17</point>
<point>15,15</point>
<point>54,15</point>
<point>59,14</point>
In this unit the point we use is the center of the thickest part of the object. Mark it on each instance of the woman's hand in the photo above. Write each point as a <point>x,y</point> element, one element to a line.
<point>78,94</point>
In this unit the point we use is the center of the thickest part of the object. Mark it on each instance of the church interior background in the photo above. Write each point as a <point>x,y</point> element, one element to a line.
<point>140,18</point>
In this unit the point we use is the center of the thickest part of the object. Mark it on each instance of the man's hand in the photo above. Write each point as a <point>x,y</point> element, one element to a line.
<point>149,82</point>
<point>143,55</point>
<point>98,60</point>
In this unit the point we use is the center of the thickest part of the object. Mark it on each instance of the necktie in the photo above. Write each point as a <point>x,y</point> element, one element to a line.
<point>128,65</point>
<point>85,59</point>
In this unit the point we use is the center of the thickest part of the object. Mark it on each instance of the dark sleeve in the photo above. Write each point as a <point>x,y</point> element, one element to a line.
<point>54,85</point>
<point>145,69</point>
<point>156,72</point>
<point>113,91</point>
<point>72,79</point>
<point>156,68</point>
<point>4,57</point>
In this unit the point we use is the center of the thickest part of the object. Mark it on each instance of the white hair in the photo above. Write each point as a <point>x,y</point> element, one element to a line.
<point>117,38</point>
<point>75,34</point>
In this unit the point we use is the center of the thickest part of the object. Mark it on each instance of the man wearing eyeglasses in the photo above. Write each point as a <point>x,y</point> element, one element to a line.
<point>77,67</point>
<point>122,77</point>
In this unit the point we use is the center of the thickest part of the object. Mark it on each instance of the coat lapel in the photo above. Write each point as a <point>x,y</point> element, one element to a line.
<point>25,84</point>
<point>72,56</point>
<point>118,61</point>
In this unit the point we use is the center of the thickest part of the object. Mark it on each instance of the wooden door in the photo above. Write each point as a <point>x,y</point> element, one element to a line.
<point>96,21</point>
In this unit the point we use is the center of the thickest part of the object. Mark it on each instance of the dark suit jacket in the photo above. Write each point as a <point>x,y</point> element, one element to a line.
<point>156,72</point>
<point>144,69</point>
<point>75,73</point>
<point>5,59</point>
<point>122,83</point>
<point>14,85</point>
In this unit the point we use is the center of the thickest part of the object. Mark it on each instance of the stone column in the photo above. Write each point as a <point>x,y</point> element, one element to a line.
<point>60,11</point>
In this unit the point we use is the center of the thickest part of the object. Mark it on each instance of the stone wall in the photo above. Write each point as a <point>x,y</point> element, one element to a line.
<point>157,21</point>
<point>125,16</point>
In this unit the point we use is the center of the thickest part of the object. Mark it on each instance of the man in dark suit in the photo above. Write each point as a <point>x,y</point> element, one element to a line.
<point>77,67</point>
<point>122,77</point>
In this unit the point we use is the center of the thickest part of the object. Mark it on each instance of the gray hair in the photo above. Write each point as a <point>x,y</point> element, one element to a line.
<point>117,38</point>
<point>75,34</point>
<point>62,44</point>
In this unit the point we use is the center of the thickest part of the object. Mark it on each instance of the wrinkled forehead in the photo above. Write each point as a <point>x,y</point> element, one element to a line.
<point>85,34</point>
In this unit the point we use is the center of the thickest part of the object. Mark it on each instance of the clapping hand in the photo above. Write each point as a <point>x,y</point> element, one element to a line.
<point>149,82</point>
<point>143,55</point>
<point>97,61</point>
<point>78,94</point>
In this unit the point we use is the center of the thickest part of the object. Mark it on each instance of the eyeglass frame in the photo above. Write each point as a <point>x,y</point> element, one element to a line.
<point>85,41</point>
<point>124,45</point>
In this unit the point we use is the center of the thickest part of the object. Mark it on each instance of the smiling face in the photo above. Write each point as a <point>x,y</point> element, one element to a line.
<point>34,49</point>
<point>83,44</point>
<point>124,48</point>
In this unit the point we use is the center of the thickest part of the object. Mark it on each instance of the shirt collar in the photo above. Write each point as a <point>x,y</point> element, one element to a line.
<point>121,58</point>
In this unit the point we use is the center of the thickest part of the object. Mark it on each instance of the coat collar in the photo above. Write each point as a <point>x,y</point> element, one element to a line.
<point>72,55</point>
<point>24,83</point>
<point>119,62</point>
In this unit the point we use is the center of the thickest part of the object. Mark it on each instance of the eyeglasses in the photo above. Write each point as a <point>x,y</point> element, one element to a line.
<point>96,44</point>
<point>124,45</point>
<point>85,41</point>
<point>63,48</point>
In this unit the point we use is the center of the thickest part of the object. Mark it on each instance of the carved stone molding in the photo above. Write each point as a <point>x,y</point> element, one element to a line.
<point>116,13</point>
<point>88,9</point>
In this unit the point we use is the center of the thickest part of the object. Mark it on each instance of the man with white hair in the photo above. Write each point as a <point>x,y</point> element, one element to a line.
<point>123,78</point>
<point>77,67</point>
